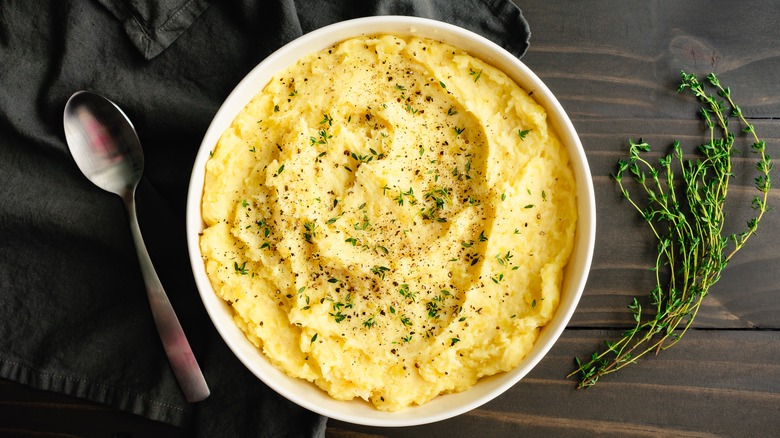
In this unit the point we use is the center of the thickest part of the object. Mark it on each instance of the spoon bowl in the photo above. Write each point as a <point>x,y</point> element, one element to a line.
<point>106,149</point>
<point>108,153</point>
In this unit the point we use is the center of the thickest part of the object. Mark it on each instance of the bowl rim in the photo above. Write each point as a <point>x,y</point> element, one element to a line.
<point>571,290</point>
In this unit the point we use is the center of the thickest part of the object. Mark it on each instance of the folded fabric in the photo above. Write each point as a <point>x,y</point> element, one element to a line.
<point>155,24</point>
<point>74,317</point>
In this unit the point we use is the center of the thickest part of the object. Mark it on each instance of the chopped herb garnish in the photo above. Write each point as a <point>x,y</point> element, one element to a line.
<point>433,309</point>
<point>406,293</point>
<point>409,194</point>
<point>522,133</point>
<point>322,138</point>
<point>380,271</point>
<point>310,231</point>
<point>503,261</point>
<point>431,215</point>
<point>240,269</point>
<point>439,195</point>
<point>364,225</point>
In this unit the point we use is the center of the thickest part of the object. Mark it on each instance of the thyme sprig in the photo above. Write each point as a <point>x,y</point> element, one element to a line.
<point>686,214</point>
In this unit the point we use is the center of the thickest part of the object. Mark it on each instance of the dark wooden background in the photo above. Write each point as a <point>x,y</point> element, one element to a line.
<point>614,65</point>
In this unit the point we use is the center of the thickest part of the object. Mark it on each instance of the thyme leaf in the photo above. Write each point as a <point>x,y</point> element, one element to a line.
<point>684,206</point>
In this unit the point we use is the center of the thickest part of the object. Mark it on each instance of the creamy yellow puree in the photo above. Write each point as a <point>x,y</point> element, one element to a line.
<point>389,219</point>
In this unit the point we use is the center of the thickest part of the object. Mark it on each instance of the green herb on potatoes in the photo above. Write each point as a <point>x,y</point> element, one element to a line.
<point>684,206</point>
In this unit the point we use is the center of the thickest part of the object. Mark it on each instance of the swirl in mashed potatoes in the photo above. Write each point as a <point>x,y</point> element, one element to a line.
<point>390,219</point>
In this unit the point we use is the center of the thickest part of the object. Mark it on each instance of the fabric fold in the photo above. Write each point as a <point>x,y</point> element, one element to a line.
<point>74,317</point>
<point>154,25</point>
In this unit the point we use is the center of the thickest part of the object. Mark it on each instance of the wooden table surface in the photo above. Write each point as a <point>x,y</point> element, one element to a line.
<point>614,66</point>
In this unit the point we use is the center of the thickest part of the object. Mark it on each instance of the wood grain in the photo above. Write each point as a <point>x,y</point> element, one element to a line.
<point>614,66</point>
<point>625,248</point>
<point>623,58</point>
<point>709,387</point>
<point>28,412</point>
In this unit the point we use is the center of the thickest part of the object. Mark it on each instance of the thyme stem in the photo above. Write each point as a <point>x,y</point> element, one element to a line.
<point>689,229</point>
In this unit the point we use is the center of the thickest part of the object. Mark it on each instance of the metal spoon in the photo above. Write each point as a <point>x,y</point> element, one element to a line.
<point>106,148</point>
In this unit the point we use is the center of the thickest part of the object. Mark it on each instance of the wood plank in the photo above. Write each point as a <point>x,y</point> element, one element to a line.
<point>28,412</point>
<point>625,247</point>
<point>624,58</point>
<point>614,66</point>
<point>710,384</point>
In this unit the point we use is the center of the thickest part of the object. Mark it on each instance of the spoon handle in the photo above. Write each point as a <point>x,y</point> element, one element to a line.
<point>178,350</point>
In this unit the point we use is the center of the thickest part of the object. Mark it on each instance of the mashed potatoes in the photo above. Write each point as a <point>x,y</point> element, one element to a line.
<point>389,219</point>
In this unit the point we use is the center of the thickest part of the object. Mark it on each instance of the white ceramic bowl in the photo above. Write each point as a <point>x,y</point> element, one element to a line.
<point>308,395</point>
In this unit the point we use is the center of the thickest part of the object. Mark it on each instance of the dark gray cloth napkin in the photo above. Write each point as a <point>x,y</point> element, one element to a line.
<point>73,312</point>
